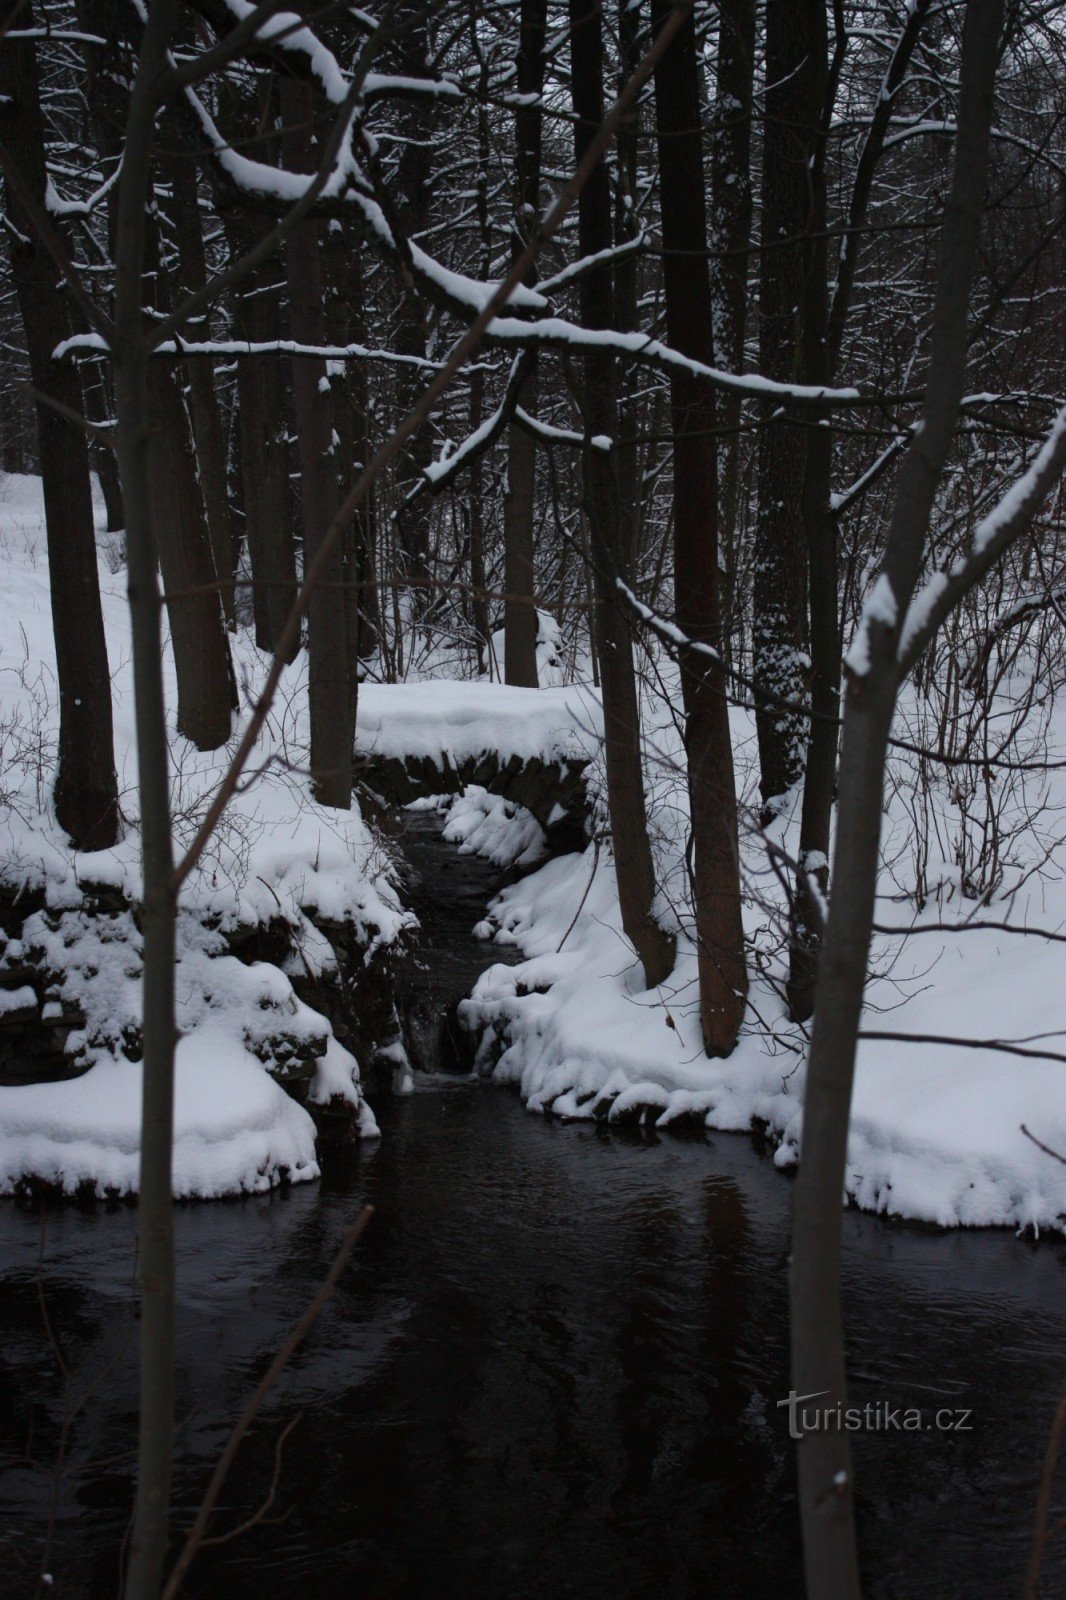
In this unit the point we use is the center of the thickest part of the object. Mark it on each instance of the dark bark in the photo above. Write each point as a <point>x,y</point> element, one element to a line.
<point>99,407</point>
<point>731,231</point>
<point>630,410</point>
<point>85,793</point>
<point>819,532</point>
<point>712,791</point>
<point>479,605</point>
<point>793,104</point>
<point>194,610</point>
<point>328,676</point>
<point>349,402</point>
<point>822,336</point>
<point>520,611</point>
<point>634,869</point>
<point>206,685</point>
<point>416,120</point>
<point>825,1473</point>
<point>155,1256</point>
<point>264,451</point>
<point>199,376</point>
<point>206,694</point>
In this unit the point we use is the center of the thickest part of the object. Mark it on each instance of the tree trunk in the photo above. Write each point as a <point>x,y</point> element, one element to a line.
<point>822,336</point>
<point>519,606</point>
<point>416,119</point>
<point>85,792</point>
<point>479,605</point>
<point>264,447</point>
<point>204,410</point>
<point>732,213</point>
<point>779,622</point>
<point>99,407</point>
<point>819,531</point>
<point>709,751</point>
<point>633,865</point>
<point>155,1259</point>
<point>520,611</point>
<point>826,1482</point>
<point>194,609</point>
<point>329,691</point>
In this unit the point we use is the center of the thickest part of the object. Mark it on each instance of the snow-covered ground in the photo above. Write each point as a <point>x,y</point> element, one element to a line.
<point>275,855</point>
<point>937,1128</point>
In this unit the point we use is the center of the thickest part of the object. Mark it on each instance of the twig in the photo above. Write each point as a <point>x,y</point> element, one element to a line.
<point>197,1533</point>
<point>1054,1154</point>
<point>584,897</point>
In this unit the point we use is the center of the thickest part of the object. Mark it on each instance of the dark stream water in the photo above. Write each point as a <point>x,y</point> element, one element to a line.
<point>551,1371</point>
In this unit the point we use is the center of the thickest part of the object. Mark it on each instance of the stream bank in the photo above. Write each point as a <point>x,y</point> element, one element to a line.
<point>552,1370</point>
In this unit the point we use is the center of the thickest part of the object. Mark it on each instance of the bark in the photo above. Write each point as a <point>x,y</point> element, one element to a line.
<point>99,407</point>
<point>825,1475</point>
<point>822,336</point>
<point>731,231</point>
<point>206,686</point>
<point>479,605</point>
<point>328,677</point>
<point>630,410</point>
<point>416,121</point>
<point>348,400</point>
<point>206,693</point>
<point>712,791</point>
<point>819,532</point>
<point>520,611</point>
<point>199,375</point>
<point>85,792</point>
<point>793,104</point>
<point>634,869</point>
<point>264,451</point>
<point>194,610</point>
<point>148,1538</point>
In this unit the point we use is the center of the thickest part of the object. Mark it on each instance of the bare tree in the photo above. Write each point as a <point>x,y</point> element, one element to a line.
<point>85,792</point>
<point>708,747</point>
<point>891,635</point>
<point>519,511</point>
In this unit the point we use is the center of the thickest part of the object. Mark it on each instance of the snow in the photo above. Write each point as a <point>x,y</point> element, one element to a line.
<point>276,854</point>
<point>1024,488</point>
<point>880,607</point>
<point>235,1129</point>
<point>936,1133</point>
<point>484,824</point>
<point>920,610</point>
<point>937,1128</point>
<point>452,721</point>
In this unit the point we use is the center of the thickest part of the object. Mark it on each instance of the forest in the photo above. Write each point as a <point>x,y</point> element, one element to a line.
<point>533,554</point>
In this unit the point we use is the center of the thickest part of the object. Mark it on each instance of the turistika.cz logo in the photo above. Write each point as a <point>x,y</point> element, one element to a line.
<point>876,1416</point>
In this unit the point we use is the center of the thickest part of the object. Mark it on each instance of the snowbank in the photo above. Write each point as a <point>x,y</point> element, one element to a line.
<point>456,722</point>
<point>488,825</point>
<point>277,858</point>
<point>937,1129</point>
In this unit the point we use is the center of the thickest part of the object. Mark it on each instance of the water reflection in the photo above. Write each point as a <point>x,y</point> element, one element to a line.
<point>552,1370</point>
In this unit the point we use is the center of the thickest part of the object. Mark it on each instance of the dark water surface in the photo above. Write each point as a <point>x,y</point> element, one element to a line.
<point>551,1371</point>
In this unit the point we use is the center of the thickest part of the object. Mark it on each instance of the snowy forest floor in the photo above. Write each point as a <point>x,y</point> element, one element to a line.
<point>937,1128</point>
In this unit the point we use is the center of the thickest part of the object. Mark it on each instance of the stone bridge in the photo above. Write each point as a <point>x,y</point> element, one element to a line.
<point>533,746</point>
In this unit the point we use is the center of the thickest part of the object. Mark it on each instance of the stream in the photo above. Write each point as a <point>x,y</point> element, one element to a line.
<point>551,1370</point>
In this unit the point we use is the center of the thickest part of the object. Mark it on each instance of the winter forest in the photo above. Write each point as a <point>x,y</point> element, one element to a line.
<point>533,558</point>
